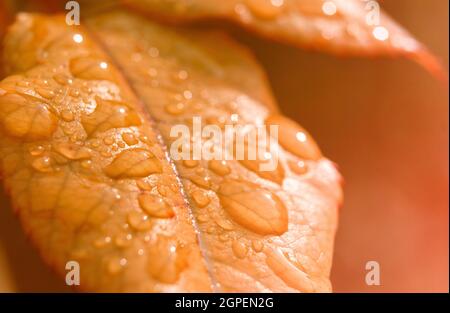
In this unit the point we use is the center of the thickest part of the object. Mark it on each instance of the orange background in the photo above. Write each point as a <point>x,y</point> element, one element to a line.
<point>385,123</point>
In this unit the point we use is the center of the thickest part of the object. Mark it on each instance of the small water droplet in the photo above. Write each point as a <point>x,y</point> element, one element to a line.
<point>298,167</point>
<point>239,249</point>
<point>86,164</point>
<point>201,198</point>
<point>72,151</point>
<point>67,115</point>
<point>129,139</point>
<point>175,108</point>
<point>36,150</point>
<point>101,242</point>
<point>143,184</point>
<point>224,223</point>
<point>108,141</point>
<point>42,164</point>
<point>62,79</point>
<point>202,218</point>
<point>257,245</point>
<point>182,75</point>
<point>123,240</point>
<point>45,93</point>
<point>267,9</point>
<point>115,265</point>
<point>190,163</point>
<point>219,167</point>
<point>139,221</point>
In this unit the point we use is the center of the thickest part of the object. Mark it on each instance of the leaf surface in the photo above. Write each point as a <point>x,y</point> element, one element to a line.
<point>342,27</point>
<point>85,120</point>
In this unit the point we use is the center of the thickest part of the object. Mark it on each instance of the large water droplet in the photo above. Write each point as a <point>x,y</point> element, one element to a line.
<point>133,163</point>
<point>24,119</point>
<point>109,114</point>
<point>257,209</point>
<point>294,138</point>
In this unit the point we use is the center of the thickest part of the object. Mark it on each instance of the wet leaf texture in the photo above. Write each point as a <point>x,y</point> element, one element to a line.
<point>85,119</point>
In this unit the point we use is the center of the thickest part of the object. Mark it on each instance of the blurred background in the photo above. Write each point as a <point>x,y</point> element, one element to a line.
<point>385,123</point>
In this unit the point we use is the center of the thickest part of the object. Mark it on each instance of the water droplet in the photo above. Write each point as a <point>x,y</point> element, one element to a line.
<point>250,206</point>
<point>108,141</point>
<point>202,218</point>
<point>155,206</point>
<point>190,163</point>
<point>86,163</point>
<point>129,139</point>
<point>143,184</point>
<point>115,265</point>
<point>239,249</point>
<point>72,151</point>
<point>123,240</point>
<point>101,242</point>
<point>267,9</point>
<point>24,119</point>
<point>257,245</point>
<point>62,79</point>
<point>166,260</point>
<point>109,114</point>
<point>67,115</point>
<point>380,33</point>
<point>224,223</point>
<point>219,167</point>
<point>36,150</point>
<point>289,273</point>
<point>298,167</point>
<point>139,221</point>
<point>182,75</point>
<point>74,93</point>
<point>200,198</point>
<point>257,165</point>
<point>200,178</point>
<point>90,68</point>
<point>175,108</point>
<point>42,164</point>
<point>153,52</point>
<point>78,38</point>
<point>45,93</point>
<point>329,8</point>
<point>294,138</point>
<point>133,163</point>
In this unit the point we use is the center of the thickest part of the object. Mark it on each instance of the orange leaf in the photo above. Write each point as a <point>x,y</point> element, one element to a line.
<point>85,120</point>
